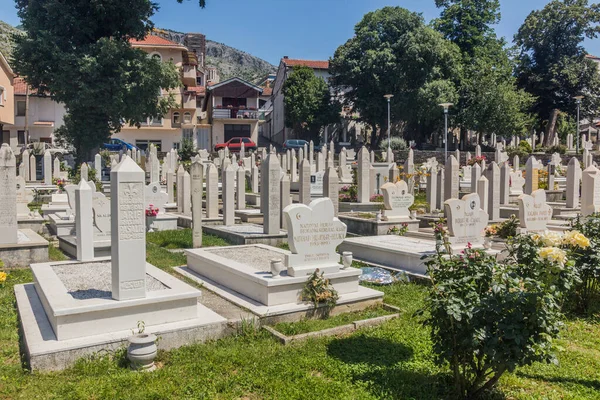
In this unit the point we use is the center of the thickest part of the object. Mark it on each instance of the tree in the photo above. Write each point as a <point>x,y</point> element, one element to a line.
<point>394,52</point>
<point>489,100</point>
<point>79,53</point>
<point>552,65</point>
<point>468,22</point>
<point>308,103</point>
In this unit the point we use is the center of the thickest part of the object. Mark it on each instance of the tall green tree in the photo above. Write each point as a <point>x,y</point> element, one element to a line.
<point>552,65</point>
<point>79,53</point>
<point>489,100</point>
<point>394,52</point>
<point>309,104</point>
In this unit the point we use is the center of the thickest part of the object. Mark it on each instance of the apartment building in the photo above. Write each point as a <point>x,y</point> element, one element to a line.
<point>7,106</point>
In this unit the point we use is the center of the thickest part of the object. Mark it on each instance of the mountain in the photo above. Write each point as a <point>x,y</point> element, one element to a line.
<point>232,62</point>
<point>228,61</point>
<point>6,38</point>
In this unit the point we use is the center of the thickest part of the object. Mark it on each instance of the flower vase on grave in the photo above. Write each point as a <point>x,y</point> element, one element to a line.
<point>276,267</point>
<point>151,213</point>
<point>347,259</point>
<point>142,351</point>
<point>487,243</point>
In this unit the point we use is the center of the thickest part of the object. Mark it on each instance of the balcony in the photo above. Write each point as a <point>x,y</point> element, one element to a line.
<point>238,113</point>
<point>188,75</point>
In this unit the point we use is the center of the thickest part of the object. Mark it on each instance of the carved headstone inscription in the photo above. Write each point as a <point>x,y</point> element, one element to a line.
<point>466,220</point>
<point>534,213</point>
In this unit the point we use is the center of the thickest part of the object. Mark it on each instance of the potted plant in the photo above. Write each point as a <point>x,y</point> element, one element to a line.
<point>151,213</point>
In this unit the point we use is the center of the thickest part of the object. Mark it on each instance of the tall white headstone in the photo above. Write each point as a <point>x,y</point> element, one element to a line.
<point>590,191</point>
<point>25,162</point>
<point>331,187</point>
<point>84,222</point>
<point>304,192</point>
<point>240,197</point>
<point>531,176</point>
<point>212,191</point>
<point>432,188</point>
<point>56,169</point>
<point>492,174</point>
<point>228,194</point>
<point>483,190</point>
<point>286,199</point>
<point>180,175</point>
<point>475,175</point>
<point>573,179</point>
<point>452,178</point>
<point>84,172</point>
<point>8,195</point>
<point>197,177</point>
<point>363,177</point>
<point>504,183</point>
<point>128,231</point>
<point>47,168</point>
<point>32,168</point>
<point>271,187</point>
<point>186,195</point>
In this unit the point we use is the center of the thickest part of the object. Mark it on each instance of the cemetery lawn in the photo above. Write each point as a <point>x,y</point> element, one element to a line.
<point>392,361</point>
<point>182,239</point>
<point>312,325</point>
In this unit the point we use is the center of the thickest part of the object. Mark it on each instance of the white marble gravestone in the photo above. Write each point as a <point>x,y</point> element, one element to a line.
<point>84,226</point>
<point>516,183</point>
<point>316,183</point>
<point>25,162</point>
<point>128,227</point>
<point>305,177</point>
<point>573,179</point>
<point>212,191</point>
<point>84,172</point>
<point>271,186</point>
<point>363,176</point>
<point>155,196</point>
<point>590,191</point>
<point>534,213</point>
<point>228,195</point>
<point>24,197</point>
<point>331,187</point>
<point>102,215</point>
<point>240,193</point>
<point>492,174</point>
<point>397,199</point>
<point>47,168</point>
<point>313,235</point>
<point>56,168</point>
<point>452,178</point>
<point>8,196</point>
<point>197,176</point>
<point>32,168</point>
<point>483,190</point>
<point>466,220</point>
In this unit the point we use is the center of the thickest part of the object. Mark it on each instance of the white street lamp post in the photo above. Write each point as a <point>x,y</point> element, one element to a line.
<point>388,97</point>
<point>578,101</point>
<point>446,106</point>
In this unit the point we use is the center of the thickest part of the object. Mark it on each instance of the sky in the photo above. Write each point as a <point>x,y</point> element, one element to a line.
<point>306,29</point>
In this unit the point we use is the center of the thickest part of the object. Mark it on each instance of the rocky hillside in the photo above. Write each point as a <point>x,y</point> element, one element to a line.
<point>232,62</point>
<point>6,38</point>
<point>228,61</point>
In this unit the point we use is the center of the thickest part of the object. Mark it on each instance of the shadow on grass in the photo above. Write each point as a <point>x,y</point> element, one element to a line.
<point>386,373</point>
<point>590,383</point>
<point>369,350</point>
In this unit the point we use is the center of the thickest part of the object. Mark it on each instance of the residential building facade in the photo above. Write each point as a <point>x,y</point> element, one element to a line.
<point>233,109</point>
<point>7,106</point>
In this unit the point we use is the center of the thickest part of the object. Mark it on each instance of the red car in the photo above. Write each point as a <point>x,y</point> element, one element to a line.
<point>235,143</point>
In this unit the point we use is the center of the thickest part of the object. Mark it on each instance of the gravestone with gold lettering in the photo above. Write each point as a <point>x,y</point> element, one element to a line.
<point>313,235</point>
<point>128,233</point>
<point>396,200</point>
<point>534,213</point>
<point>466,220</point>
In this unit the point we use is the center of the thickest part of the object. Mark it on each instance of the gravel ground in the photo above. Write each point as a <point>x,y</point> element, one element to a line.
<point>254,257</point>
<point>93,280</point>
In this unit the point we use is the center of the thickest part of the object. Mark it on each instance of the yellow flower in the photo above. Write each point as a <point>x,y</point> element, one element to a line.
<point>576,239</point>
<point>553,254</point>
<point>551,239</point>
<point>2,276</point>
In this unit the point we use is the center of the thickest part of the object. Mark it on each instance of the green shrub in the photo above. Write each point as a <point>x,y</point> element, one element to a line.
<point>488,317</point>
<point>187,150</point>
<point>517,151</point>
<point>560,149</point>
<point>396,143</point>
<point>525,146</point>
<point>587,263</point>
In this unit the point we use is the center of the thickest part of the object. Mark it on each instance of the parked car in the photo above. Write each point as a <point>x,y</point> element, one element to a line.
<point>40,148</point>
<point>118,144</point>
<point>295,144</point>
<point>298,144</point>
<point>235,143</point>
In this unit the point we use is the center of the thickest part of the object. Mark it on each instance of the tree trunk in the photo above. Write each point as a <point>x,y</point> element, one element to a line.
<point>551,129</point>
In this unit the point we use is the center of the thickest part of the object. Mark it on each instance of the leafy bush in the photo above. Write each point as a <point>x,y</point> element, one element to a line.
<point>525,146</point>
<point>488,317</point>
<point>587,263</point>
<point>560,149</point>
<point>516,151</point>
<point>396,143</point>
<point>318,290</point>
<point>187,150</point>
<point>503,230</point>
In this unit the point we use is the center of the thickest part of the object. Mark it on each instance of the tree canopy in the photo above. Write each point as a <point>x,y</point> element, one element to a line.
<point>79,53</point>
<point>394,52</point>
<point>552,65</point>
<point>308,102</point>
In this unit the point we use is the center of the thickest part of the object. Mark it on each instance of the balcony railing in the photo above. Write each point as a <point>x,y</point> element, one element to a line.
<point>237,113</point>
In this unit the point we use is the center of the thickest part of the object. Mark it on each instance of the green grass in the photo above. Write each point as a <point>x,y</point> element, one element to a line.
<point>312,325</point>
<point>420,201</point>
<point>56,254</point>
<point>182,239</point>
<point>392,361</point>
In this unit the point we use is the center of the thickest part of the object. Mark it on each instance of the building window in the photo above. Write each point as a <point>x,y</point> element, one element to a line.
<point>187,117</point>
<point>144,144</point>
<point>176,119</point>
<point>176,145</point>
<point>21,137</point>
<point>2,94</point>
<point>155,121</point>
<point>21,105</point>
<point>156,56</point>
<point>188,133</point>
